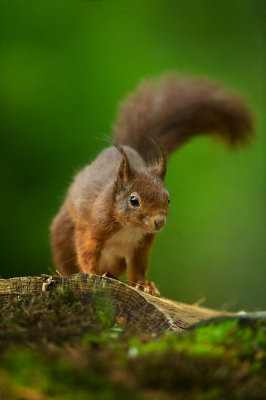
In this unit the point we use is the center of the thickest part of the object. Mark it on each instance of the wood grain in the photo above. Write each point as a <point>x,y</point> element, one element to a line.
<point>133,308</point>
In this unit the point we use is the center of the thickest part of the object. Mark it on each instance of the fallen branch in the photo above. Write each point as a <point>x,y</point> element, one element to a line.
<point>133,308</point>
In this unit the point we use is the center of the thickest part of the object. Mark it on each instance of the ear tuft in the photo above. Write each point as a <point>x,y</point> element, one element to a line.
<point>159,168</point>
<point>124,173</point>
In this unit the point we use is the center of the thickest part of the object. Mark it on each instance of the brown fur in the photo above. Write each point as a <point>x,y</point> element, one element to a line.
<point>99,229</point>
<point>173,110</point>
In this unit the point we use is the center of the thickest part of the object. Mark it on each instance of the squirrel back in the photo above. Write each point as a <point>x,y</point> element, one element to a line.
<point>172,110</point>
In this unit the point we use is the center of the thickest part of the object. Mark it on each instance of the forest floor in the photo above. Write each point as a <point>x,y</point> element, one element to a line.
<point>54,347</point>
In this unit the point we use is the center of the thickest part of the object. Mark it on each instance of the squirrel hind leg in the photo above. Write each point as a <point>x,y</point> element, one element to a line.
<point>62,237</point>
<point>113,266</point>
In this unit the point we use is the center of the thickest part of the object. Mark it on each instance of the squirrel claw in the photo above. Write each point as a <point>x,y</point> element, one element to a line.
<point>107,275</point>
<point>147,287</point>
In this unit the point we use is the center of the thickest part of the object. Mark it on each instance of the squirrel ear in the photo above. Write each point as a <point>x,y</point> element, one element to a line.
<point>160,167</point>
<point>124,172</point>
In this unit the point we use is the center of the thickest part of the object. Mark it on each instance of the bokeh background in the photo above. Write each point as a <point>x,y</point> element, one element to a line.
<point>65,65</point>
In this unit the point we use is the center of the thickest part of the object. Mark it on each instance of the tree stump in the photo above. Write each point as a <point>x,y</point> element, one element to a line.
<point>133,308</point>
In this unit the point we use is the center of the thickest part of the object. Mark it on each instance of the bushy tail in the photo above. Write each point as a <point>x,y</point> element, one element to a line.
<point>172,110</point>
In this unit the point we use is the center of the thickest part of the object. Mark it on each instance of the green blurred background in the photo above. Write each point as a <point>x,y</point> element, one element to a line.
<point>65,65</point>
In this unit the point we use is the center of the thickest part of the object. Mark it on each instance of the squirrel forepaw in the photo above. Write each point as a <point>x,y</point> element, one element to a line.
<point>147,287</point>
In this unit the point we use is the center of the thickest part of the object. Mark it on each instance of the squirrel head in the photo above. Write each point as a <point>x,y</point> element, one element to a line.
<point>140,197</point>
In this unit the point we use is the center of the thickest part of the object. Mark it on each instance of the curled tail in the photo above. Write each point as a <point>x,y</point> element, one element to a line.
<point>172,110</point>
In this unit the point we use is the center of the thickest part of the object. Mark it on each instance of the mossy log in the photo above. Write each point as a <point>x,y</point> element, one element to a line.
<point>133,308</point>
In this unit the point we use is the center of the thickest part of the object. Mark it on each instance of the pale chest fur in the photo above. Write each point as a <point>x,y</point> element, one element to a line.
<point>121,244</point>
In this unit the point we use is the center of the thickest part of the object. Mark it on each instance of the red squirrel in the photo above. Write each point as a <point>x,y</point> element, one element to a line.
<point>117,204</point>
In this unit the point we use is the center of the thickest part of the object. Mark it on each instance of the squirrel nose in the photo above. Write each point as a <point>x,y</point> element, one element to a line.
<point>159,223</point>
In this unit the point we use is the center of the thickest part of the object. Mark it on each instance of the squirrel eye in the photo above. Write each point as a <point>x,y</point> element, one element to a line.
<point>134,201</point>
<point>168,201</point>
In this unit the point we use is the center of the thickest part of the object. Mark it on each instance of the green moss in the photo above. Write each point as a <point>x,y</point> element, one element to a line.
<point>26,368</point>
<point>61,348</point>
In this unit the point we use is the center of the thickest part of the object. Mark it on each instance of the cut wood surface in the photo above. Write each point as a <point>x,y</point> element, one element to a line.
<point>133,308</point>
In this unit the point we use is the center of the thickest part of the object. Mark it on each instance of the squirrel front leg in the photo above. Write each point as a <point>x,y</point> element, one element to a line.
<point>138,266</point>
<point>88,246</point>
